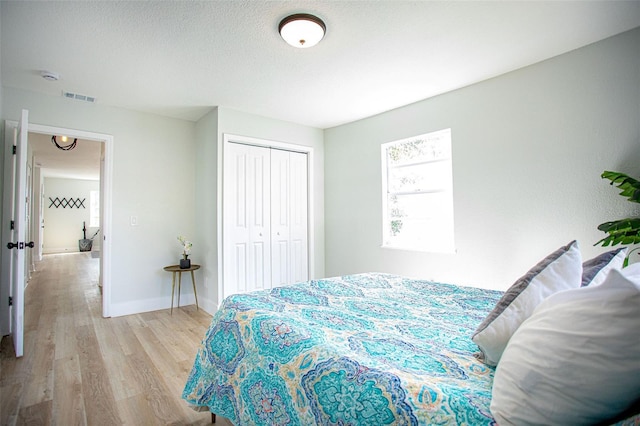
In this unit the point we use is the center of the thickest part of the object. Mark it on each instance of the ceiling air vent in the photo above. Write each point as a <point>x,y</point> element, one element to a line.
<point>79,97</point>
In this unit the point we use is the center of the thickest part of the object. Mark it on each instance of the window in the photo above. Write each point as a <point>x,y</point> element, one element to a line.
<point>417,199</point>
<point>94,208</point>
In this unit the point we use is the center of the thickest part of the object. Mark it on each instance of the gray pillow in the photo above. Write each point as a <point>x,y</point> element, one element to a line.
<point>595,270</point>
<point>561,270</point>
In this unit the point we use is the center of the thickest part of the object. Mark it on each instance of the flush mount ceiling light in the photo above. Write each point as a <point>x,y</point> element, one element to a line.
<point>65,139</point>
<point>302,30</point>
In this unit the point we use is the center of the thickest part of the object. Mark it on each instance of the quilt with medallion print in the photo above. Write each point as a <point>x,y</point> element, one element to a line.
<point>368,349</point>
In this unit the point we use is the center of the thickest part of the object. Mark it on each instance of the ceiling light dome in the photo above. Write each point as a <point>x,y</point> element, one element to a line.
<point>302,30</point>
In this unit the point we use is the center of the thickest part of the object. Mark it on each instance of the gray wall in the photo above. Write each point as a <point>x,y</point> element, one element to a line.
<point>528,151</point>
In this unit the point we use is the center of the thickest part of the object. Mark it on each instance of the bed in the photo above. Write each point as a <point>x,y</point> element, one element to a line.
<point>366,349</point>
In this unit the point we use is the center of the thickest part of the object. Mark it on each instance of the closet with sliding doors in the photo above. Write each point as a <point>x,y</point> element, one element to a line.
<point>265,217</point>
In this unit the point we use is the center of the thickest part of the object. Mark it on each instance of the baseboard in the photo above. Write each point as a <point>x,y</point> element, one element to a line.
<point>58,250</point>
<point>157,304</point>
<point>208,305</point>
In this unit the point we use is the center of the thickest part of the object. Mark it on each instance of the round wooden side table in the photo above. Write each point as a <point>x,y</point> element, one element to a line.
<point>176,270</point>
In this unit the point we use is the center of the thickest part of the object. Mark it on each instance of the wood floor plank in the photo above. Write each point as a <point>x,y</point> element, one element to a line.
<point>65,338</point>
<point>136,410</point>
<point>8,361</point>
<point>169,340</point>
<point>161,359</point>
<point>10,403</point>
<point>82,369</point>
<point>68,402</point>
<point>35,415</point>
<point>12,380</point>
<point>96,388</point>
<point>115,360</point>
<point>186,326</point>
<point>39,387</point>
<point>162,402</point>
<point>126,338</point>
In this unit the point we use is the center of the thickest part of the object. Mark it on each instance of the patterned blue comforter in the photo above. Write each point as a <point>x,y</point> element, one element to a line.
<point>367,349</point>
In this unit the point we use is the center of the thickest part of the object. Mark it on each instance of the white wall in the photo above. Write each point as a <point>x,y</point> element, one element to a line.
<point>63,226</point>
<point>205,251</point>
<point>528,151</point>
<point>4,289</point>
<point>153,179</point>
<point>1,123</point>
<point>210,130</point>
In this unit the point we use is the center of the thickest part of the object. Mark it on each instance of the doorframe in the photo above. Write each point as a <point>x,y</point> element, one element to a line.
<point>228,138</point>
<point>106,183</point>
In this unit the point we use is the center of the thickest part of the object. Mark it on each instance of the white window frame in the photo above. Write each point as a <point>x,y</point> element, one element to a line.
<point>438,235</point>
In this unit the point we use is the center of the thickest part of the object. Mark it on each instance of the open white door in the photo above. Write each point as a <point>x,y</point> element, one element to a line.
<point>17,244</point>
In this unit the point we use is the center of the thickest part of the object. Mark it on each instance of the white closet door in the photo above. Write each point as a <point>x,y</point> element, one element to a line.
<point>246,215</point>
<point>265,201</point>
<point>298,231</point>
<point>280,199</point>
<point>289,251</point>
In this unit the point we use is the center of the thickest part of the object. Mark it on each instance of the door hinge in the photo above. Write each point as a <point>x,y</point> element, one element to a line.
<point>10,301</point>
<point>13,225</point>
<point>14,149</point>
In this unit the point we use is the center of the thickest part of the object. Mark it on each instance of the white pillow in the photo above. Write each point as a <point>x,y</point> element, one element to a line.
<point>561,270</point>
<point>594,271</point>
<point>576,360</point>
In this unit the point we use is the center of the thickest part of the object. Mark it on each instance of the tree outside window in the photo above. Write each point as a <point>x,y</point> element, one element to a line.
<point>418,193</point>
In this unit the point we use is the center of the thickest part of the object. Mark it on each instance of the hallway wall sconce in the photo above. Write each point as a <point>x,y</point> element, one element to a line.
<point>302,30</point>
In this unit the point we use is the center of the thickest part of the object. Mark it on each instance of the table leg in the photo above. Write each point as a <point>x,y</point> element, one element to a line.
<point>173,286</point>
<point>179,286</point>
<point>195,293</point>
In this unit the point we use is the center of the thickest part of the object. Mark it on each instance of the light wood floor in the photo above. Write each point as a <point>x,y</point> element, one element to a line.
<point>82,369</point>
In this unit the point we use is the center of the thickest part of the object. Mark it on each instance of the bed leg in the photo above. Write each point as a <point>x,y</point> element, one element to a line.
<point>213,418</point>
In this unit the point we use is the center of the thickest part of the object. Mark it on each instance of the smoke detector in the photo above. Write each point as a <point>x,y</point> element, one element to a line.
<point>50,76</point>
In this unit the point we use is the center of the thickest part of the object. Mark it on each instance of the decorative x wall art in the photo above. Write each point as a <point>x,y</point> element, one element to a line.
<point>64,203</point>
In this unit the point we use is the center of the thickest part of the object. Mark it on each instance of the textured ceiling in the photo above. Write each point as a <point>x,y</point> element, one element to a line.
<point>181,58</point>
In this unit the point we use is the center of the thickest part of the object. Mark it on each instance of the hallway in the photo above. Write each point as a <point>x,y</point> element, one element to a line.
<point>80,368</point>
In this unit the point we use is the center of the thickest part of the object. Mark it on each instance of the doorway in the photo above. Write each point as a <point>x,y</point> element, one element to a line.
<point>105,178</point>
<point>36,206</point>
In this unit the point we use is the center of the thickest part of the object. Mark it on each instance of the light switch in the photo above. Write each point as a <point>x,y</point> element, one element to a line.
<point>134,221</point>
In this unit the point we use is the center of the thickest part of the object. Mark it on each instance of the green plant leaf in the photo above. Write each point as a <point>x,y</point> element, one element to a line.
<point>622,225</point>
<point>623,231</point>
<point>630,187</point>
